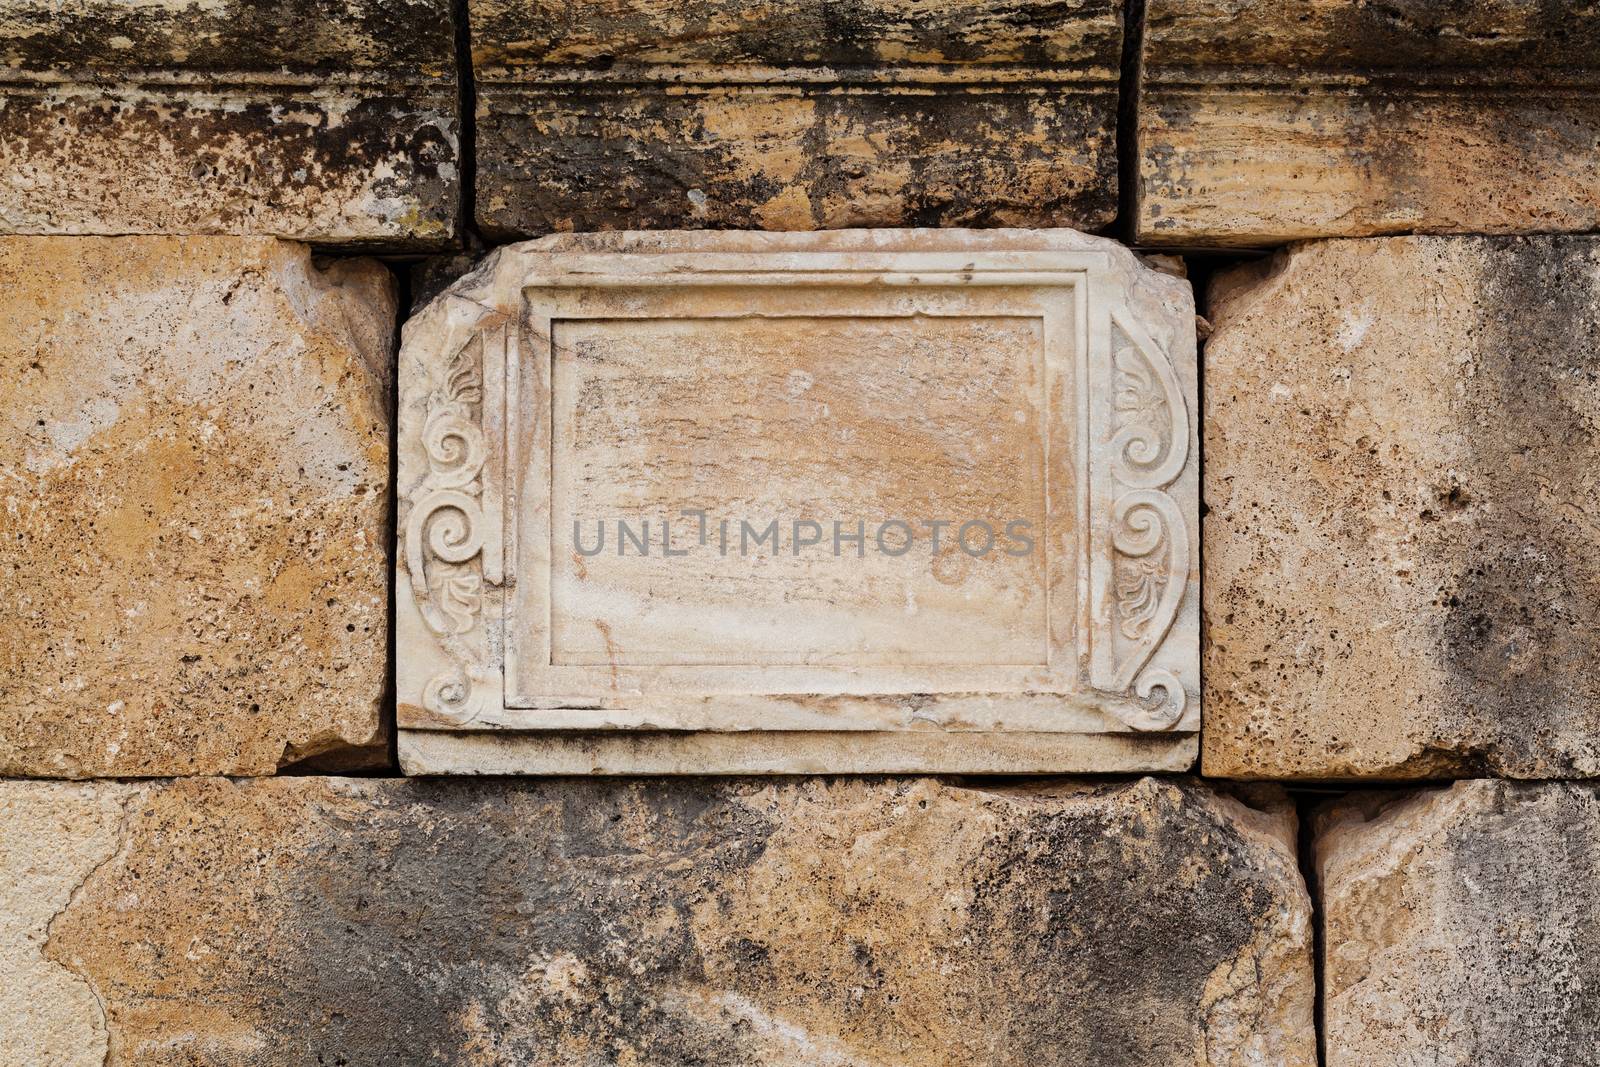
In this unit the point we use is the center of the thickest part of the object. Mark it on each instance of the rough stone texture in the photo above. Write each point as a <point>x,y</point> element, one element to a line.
<point>1035,384</point>
<point>1459,927</point>
<point>1263,120</point>
<point>1402,554</point>
<point>331,121</point>
<point>193,504</point>
<point>795,116</point>
<point>709,922</point>
<point>52,837</point>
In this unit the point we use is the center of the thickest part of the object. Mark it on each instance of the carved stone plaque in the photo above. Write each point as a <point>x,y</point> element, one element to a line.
<point>857,501</point>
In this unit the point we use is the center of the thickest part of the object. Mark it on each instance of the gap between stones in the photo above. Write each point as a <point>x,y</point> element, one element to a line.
<point>467,129</point>
<point>1128,121</point>
<point>1306,803</point>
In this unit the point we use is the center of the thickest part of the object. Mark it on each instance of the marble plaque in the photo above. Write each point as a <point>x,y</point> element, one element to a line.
<point>856,501</point>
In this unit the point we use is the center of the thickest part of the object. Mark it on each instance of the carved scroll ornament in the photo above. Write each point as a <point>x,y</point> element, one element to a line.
<point>1149,539</point>
<point>446,532</point>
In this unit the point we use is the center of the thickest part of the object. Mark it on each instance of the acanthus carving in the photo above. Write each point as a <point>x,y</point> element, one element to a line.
<point>1151,441</point>
<point>446,534</point>
<point>1149,540</point>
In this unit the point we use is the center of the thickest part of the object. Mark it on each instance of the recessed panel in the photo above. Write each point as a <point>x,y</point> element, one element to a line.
<point>799,490</point>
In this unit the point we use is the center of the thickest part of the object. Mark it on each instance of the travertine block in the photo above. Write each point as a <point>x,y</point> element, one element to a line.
<point>795,116</point>
<point>1263,121</point>
<point>212,923</point>
<point>861,501</point>
<point>333,122</point>
<point>193,494</point>
<point>1459,926</point>
<point>1402,554</point>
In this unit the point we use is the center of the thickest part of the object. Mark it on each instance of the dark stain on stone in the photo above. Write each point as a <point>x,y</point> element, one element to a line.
<point>1523,611</point>
<point>1061,915</point>
<point>779,33</point>
<point>1532,860</point>
<point>553,159</point>
<point>671,922</point>
<point>1451,34</point>
<point>542,920</point>
<point>1405,37</point>
<point>232,36</point>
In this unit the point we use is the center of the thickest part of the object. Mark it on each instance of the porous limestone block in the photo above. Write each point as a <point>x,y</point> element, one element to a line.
<point>216,923</point>
<point>194,482</point>
<point>1459,926</point>
<point>332,121</point>
<point>1403,481</point>
<point>795,116</point>
<point>1261,121</point>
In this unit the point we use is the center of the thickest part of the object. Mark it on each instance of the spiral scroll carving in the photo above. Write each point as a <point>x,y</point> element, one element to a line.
<point>1151,443</point>
<point>1162,714</point>
<point>449,695</point>
<point>445,528</point>
<point>1149,539</point>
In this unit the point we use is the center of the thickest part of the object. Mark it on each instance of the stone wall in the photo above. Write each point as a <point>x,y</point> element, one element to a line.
<point>217,220</point>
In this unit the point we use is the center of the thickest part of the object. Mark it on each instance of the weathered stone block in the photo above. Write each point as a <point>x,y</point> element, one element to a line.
<point>1403,482</point>
<point>298,920</point>
<point>332,122</point>
<point>1263,121</point>
<point>860,501</point>
<point>1459,926</point>
<point>794,116</point>
<point>193,501</point>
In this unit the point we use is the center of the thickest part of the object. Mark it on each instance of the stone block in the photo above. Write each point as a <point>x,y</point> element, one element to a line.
<point>898,501</point>
<point>193,505</point>
<point>1403,482</point>
<point>794,116</point>
<point>1264,121</point>
<point>312,920</point>
<point>334,122</point>
<point>1459,926</point>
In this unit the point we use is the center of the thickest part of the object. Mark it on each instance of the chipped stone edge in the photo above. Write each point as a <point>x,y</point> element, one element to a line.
<point>357,302</point>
